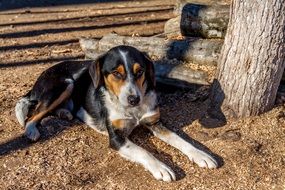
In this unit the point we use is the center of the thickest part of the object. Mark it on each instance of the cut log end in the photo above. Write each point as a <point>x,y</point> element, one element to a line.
<point>200,19</point>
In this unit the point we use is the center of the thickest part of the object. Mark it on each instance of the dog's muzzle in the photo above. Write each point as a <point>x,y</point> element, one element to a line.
<point>133,100</point>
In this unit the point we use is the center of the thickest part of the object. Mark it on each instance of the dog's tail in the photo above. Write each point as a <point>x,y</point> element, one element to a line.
<point>23,107</point>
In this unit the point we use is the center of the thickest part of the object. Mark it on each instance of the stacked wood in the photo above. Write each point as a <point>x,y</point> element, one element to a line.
<point>191,49</point>
<point>207,19</point>
<point>200,51</point>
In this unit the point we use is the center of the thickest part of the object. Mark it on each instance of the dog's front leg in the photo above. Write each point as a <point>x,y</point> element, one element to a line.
<point>133,152</point>
<point>200,157</point>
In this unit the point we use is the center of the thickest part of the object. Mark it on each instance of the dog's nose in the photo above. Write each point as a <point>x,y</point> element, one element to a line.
<point>133,100</point>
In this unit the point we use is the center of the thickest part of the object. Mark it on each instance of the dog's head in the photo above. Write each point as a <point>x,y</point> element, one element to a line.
<point>125,72</point>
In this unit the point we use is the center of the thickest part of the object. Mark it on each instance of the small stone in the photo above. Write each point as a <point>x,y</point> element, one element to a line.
<point>255,146</point>
<point>231,136</point>
<point>203,136</point>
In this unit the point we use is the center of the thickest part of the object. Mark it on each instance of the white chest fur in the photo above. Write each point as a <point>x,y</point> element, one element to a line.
<point>117,111</point>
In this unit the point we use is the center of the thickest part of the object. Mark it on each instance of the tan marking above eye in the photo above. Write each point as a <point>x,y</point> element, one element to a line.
<point>140,80</point>
<point>121,70</point>
<point>136,67</point>
<point>113,84</point>
<point>140,84</point>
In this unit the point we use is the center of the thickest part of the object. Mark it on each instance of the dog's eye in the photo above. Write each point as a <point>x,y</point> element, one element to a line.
<point>117,74</point>
<point>139,73</point>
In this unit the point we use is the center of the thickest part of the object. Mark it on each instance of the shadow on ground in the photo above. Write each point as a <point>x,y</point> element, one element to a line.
<point>18,4</point>
<point>53,127</point>
<point>70,29</point>
<point>77,19</point>
<point>40,61</point>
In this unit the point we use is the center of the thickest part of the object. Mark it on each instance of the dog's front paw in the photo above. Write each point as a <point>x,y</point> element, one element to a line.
<point>160,171</point>
<point>32,132</point>
<point>202,159</point>
<point>64,114</point>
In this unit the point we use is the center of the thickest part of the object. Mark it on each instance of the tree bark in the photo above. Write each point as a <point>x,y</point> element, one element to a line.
<point>252,59</point>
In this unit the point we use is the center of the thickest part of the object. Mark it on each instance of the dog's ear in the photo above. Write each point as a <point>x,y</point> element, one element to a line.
<point>95,71</point>
<point>150,73</point>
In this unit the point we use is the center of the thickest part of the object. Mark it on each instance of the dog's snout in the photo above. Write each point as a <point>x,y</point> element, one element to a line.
<point>133,100</point>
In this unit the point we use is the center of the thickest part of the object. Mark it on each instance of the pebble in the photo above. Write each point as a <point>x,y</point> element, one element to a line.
<point>231,136</point>
<point>255,146</point>
<point>203,136</point>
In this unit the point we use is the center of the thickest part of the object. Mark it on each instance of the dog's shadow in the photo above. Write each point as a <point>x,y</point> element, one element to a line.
<point>50,127</point>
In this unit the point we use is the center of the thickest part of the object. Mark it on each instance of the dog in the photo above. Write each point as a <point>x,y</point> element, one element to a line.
<point>113,94</point>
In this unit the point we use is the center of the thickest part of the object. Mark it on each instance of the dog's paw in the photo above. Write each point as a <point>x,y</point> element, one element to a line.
<point>160,171</point>
<point>202,159</point>
<point>32,132</point>
<point>64,114</point>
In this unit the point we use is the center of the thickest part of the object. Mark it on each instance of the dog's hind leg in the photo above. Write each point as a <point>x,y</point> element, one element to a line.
<point>42,109</point>
<point>65,111</point>
<point>22,108</point>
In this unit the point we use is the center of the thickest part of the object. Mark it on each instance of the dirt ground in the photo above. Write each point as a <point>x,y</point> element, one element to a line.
<point>70,155</point>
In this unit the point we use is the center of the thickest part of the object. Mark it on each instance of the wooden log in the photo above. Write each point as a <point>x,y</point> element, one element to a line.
<point>179,75</point>
<point>90,47</point>
<point>181,3</point>
<point>201,18</point>
<point>172,27</point>
<point>200,51</point>
<point>204,21</point>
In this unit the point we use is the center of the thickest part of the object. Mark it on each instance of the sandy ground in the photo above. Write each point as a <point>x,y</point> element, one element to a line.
<point>70,155</point>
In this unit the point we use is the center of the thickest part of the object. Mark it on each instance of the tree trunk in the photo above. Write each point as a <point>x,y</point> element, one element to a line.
<point>252,58</point>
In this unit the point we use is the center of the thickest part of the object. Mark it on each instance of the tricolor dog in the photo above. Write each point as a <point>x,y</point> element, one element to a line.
<point>113,95</point>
